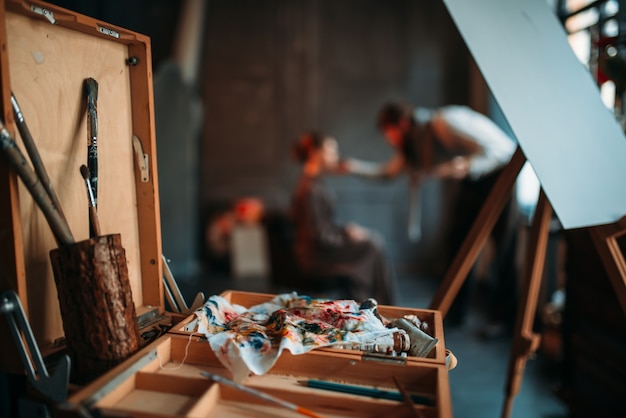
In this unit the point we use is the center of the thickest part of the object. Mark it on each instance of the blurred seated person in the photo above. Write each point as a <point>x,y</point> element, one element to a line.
<point>324,248</point>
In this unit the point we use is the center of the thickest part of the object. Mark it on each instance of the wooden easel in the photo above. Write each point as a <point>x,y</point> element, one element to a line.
<point>525,341</point>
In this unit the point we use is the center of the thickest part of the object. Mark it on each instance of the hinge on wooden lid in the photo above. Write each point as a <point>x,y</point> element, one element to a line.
<point>43,12</point>
<point>385,358</point>
<point>142,160</point>
<point>152,316</point>
<point>108,31</point>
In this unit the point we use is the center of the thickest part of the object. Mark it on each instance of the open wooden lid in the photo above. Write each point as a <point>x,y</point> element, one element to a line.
<point>49,53</point>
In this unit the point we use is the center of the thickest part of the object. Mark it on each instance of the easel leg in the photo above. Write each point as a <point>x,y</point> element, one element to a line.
<point>605,239</point>
<point>525,342</point>
<point>478,235</point>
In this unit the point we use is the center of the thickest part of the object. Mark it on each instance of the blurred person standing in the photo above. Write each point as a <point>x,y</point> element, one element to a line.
<point>453,143</point>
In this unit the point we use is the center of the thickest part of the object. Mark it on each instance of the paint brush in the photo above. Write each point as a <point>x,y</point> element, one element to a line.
<point>93,212</point>
<point>33,153</point>
<point>365,391</point>
<point>219,379</point>
<point>91,92</point>
<point>16,159</point>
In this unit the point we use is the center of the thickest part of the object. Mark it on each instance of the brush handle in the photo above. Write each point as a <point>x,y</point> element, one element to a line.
<point>91,90</point>
<point>220,379</point>
<point>367,391</point>
<point>95,224</point>
<point>33,153</point>
<point>58,224</point>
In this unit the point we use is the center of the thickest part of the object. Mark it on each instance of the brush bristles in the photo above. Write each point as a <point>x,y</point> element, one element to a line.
<point>91,88</point>
<point>84,171</point>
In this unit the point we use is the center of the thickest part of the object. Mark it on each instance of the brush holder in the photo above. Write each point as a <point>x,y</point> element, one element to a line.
<point>97,308</point>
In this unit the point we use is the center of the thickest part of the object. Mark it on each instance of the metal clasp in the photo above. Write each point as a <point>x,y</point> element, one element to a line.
<point>142,160</point>
<point>43,12</point>
<point>384,358</point>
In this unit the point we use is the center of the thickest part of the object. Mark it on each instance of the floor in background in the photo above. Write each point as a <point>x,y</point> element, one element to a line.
<point>477,384</point>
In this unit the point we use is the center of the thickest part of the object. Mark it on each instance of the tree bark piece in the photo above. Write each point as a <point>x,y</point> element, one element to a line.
<point>97,308</point>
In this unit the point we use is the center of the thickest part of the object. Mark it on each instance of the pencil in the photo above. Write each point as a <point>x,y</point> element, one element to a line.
<point>219,379</point>
<point>365,391</point>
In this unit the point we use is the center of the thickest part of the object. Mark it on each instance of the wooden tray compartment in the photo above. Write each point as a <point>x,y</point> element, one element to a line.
<point>164,379</point>
<point>432,317</point>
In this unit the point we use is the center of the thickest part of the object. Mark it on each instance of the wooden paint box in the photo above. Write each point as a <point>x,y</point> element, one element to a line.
<point>165,378</point>
<point>47,54</point>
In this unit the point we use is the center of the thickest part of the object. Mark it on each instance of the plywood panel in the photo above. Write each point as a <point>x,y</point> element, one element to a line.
<point>48,64</point>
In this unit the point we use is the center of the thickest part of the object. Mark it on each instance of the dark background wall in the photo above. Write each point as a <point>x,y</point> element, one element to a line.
<point>271,69</point>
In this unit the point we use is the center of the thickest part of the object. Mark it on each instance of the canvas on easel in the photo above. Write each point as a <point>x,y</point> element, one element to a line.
<point>565,132</point>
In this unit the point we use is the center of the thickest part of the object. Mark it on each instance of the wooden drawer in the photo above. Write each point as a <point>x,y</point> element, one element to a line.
<point>164,378</point>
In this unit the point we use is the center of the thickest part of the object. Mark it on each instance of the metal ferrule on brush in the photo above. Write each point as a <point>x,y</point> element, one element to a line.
<point>17,110</point>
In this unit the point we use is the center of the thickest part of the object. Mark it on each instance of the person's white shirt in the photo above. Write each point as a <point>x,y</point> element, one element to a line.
<point>460,127</point>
